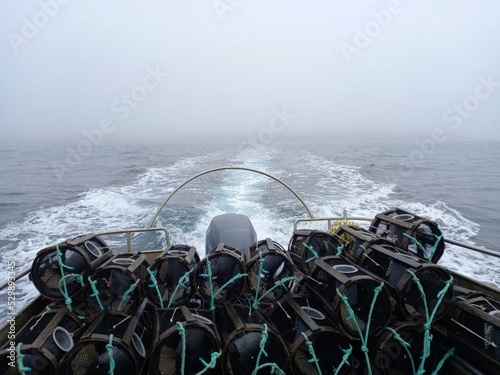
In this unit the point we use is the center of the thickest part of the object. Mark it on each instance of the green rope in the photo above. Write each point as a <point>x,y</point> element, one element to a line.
<point>434,248</point>
<point>209,275</point>
<point>62,285</point>
<point>275,369</point>
<point>109,348</point>
<point>315,254</point>
<point>441,363</point>
<point>96,292</point>
<point>278,284</point>
<point>416,242</point>
<point>405,345</point>
<point>210,365</point>
<point>345,358</point>
<point>364,340</point>
<point>126,294</point>
<point>184,278</point>
<point>310,348</point>
<point>182,333</point>
<point>340,248</point>
<point>429,317</point>
<point>424,250</point>
<point>257,290</point>
<point>262,347</point>
<point>154,284</point>
<point>62,266</point>
<point>19,359</point>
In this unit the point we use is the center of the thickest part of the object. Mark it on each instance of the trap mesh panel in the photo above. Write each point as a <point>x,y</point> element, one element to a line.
<point>357,240</point>
<point>394,268</point>
<point>327,343</point>
<point>335,273</point>
<point>117,285</point>
<point>99,353</point>
<point>170,281</point>
<point>246,338</point>
<point>220,276</point>
<point>307,245</point>
<point>269,270</point>
<point>389,355</point>
<point>475,326</point>
<point>51,274</point>
<point>187,349</point>
<point>412,233</point>
<point>328,347</point>
<point>45,339</point>
<point>243,348</point>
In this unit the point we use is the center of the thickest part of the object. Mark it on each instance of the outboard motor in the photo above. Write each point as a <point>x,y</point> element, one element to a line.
<point>235,230</point>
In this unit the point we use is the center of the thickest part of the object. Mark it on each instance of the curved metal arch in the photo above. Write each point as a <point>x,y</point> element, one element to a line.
<point>155,216</point>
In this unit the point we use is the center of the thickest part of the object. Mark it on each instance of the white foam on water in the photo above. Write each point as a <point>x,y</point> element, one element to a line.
<point>326,186</point>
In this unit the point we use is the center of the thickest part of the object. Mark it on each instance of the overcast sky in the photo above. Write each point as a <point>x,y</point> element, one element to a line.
<point>229,69</point>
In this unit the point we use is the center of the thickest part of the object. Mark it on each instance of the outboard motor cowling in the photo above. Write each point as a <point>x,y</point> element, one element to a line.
<point>235,230</point>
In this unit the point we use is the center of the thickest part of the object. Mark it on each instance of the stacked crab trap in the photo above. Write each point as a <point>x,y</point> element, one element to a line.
<point>348,301</point>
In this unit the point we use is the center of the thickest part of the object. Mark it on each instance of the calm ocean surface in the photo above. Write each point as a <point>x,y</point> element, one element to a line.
<point>50,192</point>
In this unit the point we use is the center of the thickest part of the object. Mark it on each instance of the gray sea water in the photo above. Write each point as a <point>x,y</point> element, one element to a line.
<point>50,192</point>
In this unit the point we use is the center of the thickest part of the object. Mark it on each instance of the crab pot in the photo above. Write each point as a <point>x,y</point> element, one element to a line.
<point>220,276</point>
<point>307,245</point>
<point>359,239</point>
<point>333,277</point>
<point>113,343</point>
<point>412,233</point>
<point>390,356</point>
<point>247,338</point>
<point>171,282</point>
<point>396,270</point>
<point>44,340</point>
<point>474,325</point>
<point>59,271</point>
<point>301,323</point>
<point>117,285</point>
<point>270,271</point>
<point>185,342</point>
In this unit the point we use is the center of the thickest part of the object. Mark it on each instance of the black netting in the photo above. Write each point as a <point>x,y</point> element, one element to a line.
<point>328,352</point>
<point>242,351</point>
<point>92,357</point>
<point>169,355</point>
<point>220,280</point>
<point>360,296</point>
<point>269,276</point>
<point>173,282</point>
<point>113,285</point>
<point>390,356</point>
<point>433,281</point>
<point>475,331</point>
<point>46,272</point>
